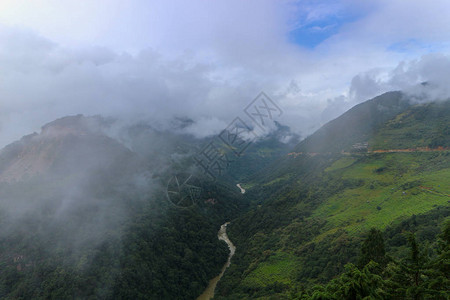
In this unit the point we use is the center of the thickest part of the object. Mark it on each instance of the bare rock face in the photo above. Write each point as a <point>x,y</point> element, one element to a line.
<point>72,125</point>
<point>65,146</point>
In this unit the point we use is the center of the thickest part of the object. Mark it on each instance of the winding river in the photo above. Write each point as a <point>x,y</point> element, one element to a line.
<point>222,235</point>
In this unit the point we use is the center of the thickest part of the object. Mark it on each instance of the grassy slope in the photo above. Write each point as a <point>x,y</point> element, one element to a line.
<point>421,126</point>
<point>384,197</point>
<point>395,185</point>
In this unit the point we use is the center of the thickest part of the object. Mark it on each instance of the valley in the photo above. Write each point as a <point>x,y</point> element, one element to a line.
<point>224,150</point>
<point>298,219</point>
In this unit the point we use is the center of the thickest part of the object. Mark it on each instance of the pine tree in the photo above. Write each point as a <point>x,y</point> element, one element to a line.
<point>353,284</point>
<point>438,271</point>
<point>373,249</point>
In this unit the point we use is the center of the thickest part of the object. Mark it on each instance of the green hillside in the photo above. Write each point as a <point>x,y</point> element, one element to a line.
<point>313,208</point>
<point>356,125</point>
<point>426,125</point>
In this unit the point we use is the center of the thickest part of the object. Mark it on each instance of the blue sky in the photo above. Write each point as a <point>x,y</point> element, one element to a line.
<point>316,21</point>
<point>313,34</point>
<point>205,60</point>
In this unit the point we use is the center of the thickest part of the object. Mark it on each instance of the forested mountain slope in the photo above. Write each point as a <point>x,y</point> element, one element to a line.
<point>84,217</point>
<point>313,209</point>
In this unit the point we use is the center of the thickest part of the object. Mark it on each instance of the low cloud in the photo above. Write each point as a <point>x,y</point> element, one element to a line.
<point>207,62</point>
<point>423,79</point>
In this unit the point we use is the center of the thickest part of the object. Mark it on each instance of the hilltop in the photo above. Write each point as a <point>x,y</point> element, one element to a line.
<point>64,147</point>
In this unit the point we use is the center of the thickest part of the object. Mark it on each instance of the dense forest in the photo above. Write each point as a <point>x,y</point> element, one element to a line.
<point>161,252</point>
<point>97,222</point>
<point>422,274</point>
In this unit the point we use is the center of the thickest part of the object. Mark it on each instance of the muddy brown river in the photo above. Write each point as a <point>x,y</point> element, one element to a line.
<point>222,235</point>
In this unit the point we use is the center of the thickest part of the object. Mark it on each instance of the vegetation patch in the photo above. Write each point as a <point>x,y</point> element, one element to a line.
<point>279,267</point>
<point>341,164</point>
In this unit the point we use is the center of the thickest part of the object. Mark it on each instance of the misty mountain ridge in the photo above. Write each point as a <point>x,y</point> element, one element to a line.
<point>84,184</point>
<point>362,124</point>
<point>68,145</point>
<point>75,144</point>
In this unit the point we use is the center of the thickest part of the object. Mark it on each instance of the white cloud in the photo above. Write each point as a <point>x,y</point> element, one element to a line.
<point>206,60</point>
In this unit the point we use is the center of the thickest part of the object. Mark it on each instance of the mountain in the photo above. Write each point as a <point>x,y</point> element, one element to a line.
<point>389,121</point>
<point>85,211</point>
<point>384,164</point>
<point>83,215</point>
<point>356,125</point>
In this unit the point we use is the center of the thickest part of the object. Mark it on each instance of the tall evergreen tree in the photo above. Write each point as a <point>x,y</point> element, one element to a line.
<point>373,249</point>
